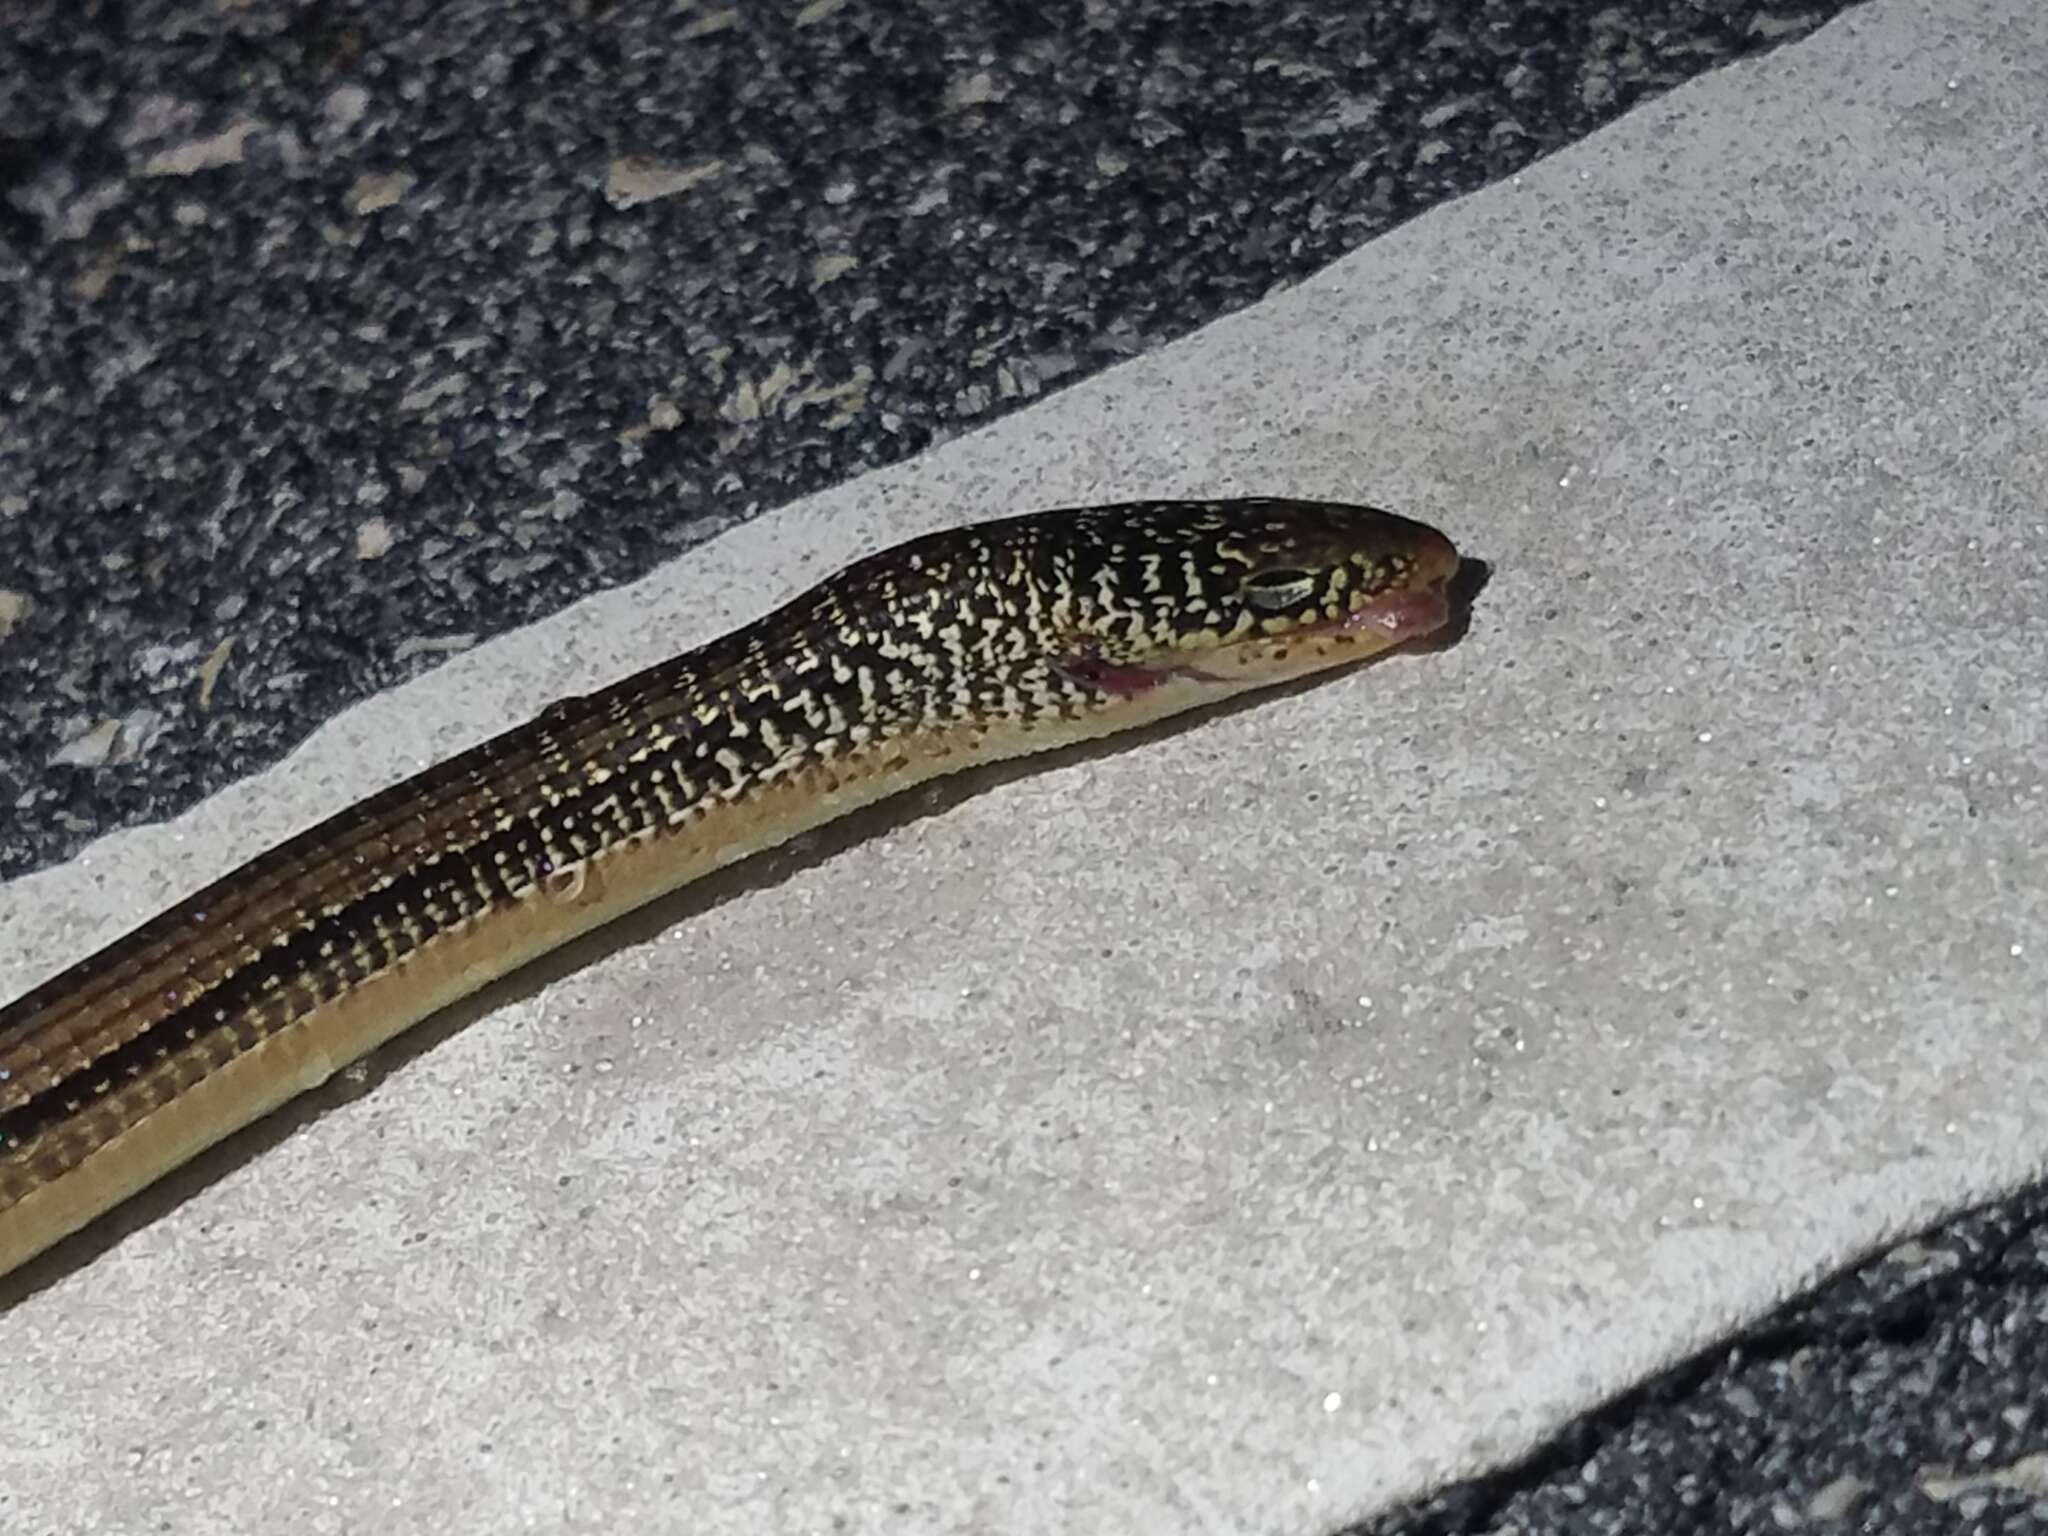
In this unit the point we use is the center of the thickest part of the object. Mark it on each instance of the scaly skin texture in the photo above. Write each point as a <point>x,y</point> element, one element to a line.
<point>959,648</point>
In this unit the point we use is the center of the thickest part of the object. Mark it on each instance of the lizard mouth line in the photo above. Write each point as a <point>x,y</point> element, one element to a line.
<point>1397,616</point>
<point>1387,620</point>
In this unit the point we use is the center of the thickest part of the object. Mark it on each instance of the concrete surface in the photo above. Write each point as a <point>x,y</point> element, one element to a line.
<point>1905,1397</point>
<point>1247,1128</point>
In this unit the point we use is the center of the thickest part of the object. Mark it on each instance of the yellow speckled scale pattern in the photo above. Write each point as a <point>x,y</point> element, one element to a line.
<point>982,642</point>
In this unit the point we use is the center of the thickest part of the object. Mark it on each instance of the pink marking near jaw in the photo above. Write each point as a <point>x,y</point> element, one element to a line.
<point>1402,615</point>
<point>1126,682</point>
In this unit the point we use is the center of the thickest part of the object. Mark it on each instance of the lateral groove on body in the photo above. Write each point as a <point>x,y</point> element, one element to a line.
<point>986,642</point>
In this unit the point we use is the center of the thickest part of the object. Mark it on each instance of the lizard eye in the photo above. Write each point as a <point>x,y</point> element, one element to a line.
<point>1277,588</point>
